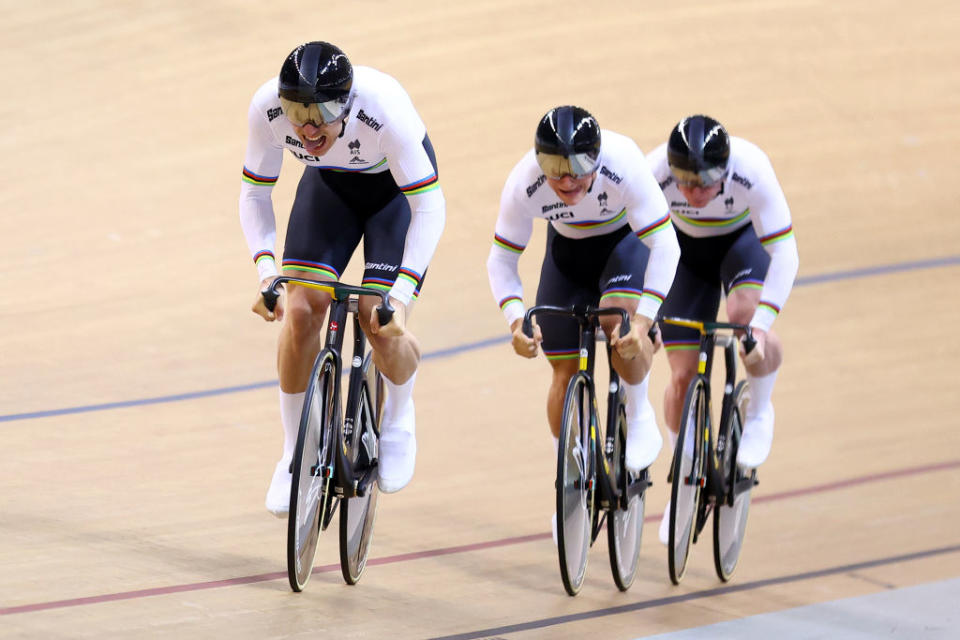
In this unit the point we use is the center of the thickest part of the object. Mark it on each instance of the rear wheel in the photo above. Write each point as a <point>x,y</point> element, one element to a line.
<point>574,485</point>
<point>625,520</point>
<point>310,500</point>
<point>358,514</point>
<point>730,517</point>
<point>687,474</point>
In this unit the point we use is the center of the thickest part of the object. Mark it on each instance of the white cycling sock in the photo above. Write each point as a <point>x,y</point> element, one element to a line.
<point>291,405</point>
<point>761,392</point>
<point>398,395</point>
<point>637,401</point>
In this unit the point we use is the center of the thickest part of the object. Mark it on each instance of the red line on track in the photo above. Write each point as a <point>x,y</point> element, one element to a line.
<point>432,553</point>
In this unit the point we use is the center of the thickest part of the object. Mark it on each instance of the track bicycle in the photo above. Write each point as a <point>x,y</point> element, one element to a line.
<point>335,460</point>
<point>589,459</point>
<point>704,474</point>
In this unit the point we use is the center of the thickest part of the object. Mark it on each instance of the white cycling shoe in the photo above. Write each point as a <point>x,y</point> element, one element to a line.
<point>278,495</point>
<point>398,451</point>
<point>643,440</point>
<point>757,439</point>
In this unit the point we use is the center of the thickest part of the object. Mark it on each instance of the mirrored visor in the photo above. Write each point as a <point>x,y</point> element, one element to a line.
<point>316,113</point>
<point>704,178</point>
<point>576,164</point>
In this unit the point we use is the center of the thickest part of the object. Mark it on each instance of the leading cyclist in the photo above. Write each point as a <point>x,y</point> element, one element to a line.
<point>370,173</point>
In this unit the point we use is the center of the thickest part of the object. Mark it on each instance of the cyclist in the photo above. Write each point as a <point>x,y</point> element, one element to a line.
<point>609,243</point>
<point>736,238</point>
<point>370,172</point>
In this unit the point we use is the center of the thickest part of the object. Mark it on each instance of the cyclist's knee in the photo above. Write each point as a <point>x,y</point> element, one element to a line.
<point>304,316</point>
<point>741,305</point>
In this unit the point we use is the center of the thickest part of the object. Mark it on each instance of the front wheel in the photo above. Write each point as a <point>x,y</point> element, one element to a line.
<point>357,514</point>
<point>730,517</point>
<point>310,500</point>
<point>687,474</point>
<point>575,485</point>
<point>625,520</point>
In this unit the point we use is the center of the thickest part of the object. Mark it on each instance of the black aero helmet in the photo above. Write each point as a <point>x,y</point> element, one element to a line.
<point>567,142</point>
<point>319,75</point>
<point>698,151</point>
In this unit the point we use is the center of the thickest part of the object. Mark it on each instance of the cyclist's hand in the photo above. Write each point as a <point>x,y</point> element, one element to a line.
<point>397,324</point>
<point>636,342</point>
<point>524,346</point>
<point>260,307</point>
<point>756,354</point>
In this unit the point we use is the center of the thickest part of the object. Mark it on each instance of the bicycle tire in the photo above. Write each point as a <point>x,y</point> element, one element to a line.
<point>310,487</point>
<point>574,485</point>
<point>358,514</point>
<point>685,495</point>
<point>625,525</point>
<point>730,516</point>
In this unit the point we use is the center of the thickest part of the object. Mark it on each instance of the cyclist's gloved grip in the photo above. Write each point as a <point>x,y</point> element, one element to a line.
<point>384,314</point>
<point>270,299</point>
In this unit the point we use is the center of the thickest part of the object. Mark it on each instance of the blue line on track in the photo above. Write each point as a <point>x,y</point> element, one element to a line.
<point>852,274</point>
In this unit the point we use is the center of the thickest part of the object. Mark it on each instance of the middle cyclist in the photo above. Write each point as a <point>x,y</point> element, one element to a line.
<point>610,243</point>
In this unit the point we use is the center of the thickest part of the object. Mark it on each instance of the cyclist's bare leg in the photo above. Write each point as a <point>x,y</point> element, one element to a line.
<point>397,357</point>
<point>741,304</point>
<point>298,346</point>
<point>683,366</point>
<point>563,370</point>
<point>758,422</point>
<point>300,334</point>
<point>643,436</point>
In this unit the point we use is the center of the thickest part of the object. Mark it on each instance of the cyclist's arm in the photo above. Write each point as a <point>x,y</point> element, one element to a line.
<point>649,217</point>
<point>511,236</point>
<point>261,166</point>
<point>771,220</point>
<point>402,143</point>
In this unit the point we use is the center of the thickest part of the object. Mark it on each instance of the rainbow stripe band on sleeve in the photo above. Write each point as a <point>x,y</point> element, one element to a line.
<point>783,234</point>
<point>263,255</point>
<point>653,295</point>
<point>261,181</point>
<point>421,186</point>
<point>410,275</point>
<point>503,243</point>
<point>313,267</point>
<point>508,300</point>
<point>769,306</point>
<point>659,225</point>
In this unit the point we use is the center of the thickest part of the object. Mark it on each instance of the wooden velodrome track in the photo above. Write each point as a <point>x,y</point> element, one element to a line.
<point>138,412</point>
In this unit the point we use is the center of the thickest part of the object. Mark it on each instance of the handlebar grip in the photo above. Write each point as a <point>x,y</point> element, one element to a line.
<point>625,326</point>
<point>384,313</point>
<point>749,342</point>
<point>270,298</point>
<point>527,327</point>
<point>652,333</point>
